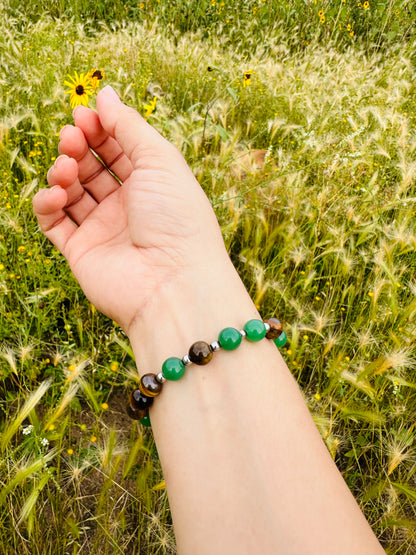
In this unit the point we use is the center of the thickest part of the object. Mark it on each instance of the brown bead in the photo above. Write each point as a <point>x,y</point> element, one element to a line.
<point>136,414</point>
<point>276,328</point>
<point>200,353</point>
<point>139,402</point>
<point>149,386</point>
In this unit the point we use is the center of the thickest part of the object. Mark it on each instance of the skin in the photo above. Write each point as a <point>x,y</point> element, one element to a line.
<point>246,470</point>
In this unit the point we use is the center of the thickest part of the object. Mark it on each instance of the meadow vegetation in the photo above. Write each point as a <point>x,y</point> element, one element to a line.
<point>299,120</point>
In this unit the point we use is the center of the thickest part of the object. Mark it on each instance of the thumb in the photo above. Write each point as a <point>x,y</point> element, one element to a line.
<point>127,126</point>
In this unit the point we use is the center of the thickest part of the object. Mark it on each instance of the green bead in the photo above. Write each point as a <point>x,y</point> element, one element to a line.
<point>173,368</point>
<point>281,340</point>
<point>229,339</point>
<point>255,330</point>
<point>146,421</point>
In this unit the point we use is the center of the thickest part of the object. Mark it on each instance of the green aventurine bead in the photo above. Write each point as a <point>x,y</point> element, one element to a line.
<point>229,339</point>
<point>146,421</point>
<point>173,368</point>
<point>281,340</point>
<point>255,330</point>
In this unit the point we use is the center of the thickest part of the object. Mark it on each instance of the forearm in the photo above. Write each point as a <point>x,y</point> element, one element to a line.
<point>245,468</point>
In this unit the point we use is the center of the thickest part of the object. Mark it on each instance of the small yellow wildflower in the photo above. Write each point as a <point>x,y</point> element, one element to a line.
<point>21,248</point>
<point>247,78</point>
<point>1,266</point>
<point>80,89</point>
<point>150,108</point>
<point>70,451</point>
<point>96,76</point>
<point>317,397</point>
<point>104,406</point>
<point>321,13</point>
<point>366,5</point>
<point>351,33</point>
<point>51,427</point>
<point>323,19</point>
<point>114,366</point>
<point>93,439</point>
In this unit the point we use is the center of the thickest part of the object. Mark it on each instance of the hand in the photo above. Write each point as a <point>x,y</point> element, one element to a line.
<point>125,238</point>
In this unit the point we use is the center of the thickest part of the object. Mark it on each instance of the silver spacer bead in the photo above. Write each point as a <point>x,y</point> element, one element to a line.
<point>186,360</point>
<point>160,378</point>
<point>243,333</point>
<point>214,346</point>
<point>267,326</point>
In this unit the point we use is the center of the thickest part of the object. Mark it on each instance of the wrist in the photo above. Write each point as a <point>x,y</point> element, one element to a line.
<point>194,306</point>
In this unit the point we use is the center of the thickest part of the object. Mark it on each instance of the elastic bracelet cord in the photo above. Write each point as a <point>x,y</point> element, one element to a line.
<point>200,353</point>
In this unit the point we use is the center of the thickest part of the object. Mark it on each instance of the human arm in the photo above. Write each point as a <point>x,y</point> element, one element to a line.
<point>245,468</point>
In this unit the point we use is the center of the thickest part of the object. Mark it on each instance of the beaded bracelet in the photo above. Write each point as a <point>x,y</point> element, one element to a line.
<point>200,353</point>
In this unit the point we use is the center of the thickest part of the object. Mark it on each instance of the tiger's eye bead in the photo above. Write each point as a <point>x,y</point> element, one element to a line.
<point>276,328</point>
<point>229,339</point>
<point>173,368</point>
<point>255,330</point>
<point>200,353</point>
<point>139,401</point>
<point>149,386</point>
<point>136,414</point>
<point>281,340</point>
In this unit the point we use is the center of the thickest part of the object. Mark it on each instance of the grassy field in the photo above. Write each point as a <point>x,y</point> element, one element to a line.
<point>299,120</point>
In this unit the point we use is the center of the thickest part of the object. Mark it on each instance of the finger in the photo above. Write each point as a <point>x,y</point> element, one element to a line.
<point>105,146</point>
<point>79,202</point>
<point>92,174</point>
<point>48,205</point>
<point>135,136</point>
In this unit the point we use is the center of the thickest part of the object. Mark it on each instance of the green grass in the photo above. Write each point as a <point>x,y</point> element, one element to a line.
<point>322,233</point>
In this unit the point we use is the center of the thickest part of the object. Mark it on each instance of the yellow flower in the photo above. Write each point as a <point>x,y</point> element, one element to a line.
<point>150,108</point>
<point>351,33</point>
<point>93,439</point>
<point>104,406</point>
<point>366,5</point>
<point>95,76</point>
<point>80,89</point>
<point>321,13</point>
<point>70,451</point>
<point>323,19</point>
<point>317,396</point>
<point>247,78</point>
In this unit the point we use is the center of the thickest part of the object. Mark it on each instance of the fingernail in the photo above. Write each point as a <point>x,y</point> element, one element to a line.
<point>110,94</point>
<point>58,160</point>
<point>75,109</point>
<point>63,130</point>
<point>54,187</point>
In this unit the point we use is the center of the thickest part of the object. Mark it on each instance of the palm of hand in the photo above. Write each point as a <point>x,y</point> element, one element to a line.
<point>122,242</point>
